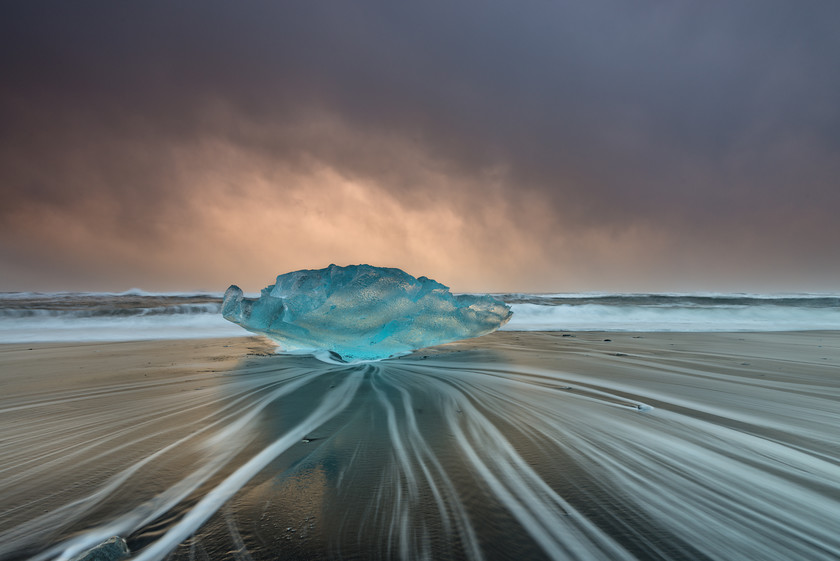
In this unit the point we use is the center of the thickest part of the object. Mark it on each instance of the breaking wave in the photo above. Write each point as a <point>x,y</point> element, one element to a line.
<point>754,316</point>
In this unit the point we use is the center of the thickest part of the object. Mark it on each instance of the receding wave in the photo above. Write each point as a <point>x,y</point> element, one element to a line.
<point>513,450</point>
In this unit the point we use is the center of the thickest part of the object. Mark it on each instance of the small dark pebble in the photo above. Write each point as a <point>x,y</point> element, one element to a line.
<point>608,340</point>
<point>567,335</point>
<point>620,354</point>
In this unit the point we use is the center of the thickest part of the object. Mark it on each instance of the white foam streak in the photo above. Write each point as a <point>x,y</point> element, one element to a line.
<point>233,437</point>
<point>332,404</point>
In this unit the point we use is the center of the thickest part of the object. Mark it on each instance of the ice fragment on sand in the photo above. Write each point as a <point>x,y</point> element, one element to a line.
<point>110,550</point>
<point>362,312</point>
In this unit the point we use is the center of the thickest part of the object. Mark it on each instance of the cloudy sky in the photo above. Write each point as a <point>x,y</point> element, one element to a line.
<point>516,146</point>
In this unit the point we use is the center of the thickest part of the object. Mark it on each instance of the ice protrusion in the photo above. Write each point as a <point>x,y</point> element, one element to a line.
<point>361,312</point>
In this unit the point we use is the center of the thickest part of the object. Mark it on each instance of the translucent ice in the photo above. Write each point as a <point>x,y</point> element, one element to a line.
<point>362,312</point>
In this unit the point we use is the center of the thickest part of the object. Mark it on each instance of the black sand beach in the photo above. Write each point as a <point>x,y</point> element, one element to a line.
<point>513,445</point>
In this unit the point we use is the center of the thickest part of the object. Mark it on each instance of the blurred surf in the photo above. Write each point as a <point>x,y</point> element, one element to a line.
<point>136,315</point>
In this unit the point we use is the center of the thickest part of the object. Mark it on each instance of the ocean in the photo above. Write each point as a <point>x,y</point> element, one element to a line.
<point>27,317</point>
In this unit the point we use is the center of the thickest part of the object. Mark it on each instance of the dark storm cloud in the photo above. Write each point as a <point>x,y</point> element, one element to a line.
<point>714,124</point>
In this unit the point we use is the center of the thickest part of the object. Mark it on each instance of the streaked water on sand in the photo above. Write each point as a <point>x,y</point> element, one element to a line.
<point>484,450</point>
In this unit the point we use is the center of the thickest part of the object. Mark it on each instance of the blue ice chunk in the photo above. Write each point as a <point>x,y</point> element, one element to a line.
<point>361,312</point>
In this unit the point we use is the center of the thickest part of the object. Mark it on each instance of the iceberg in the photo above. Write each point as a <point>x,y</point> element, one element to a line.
<point>361,312</point>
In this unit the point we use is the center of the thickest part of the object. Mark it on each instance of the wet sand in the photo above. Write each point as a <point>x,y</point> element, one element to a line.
<point>514,445</point>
